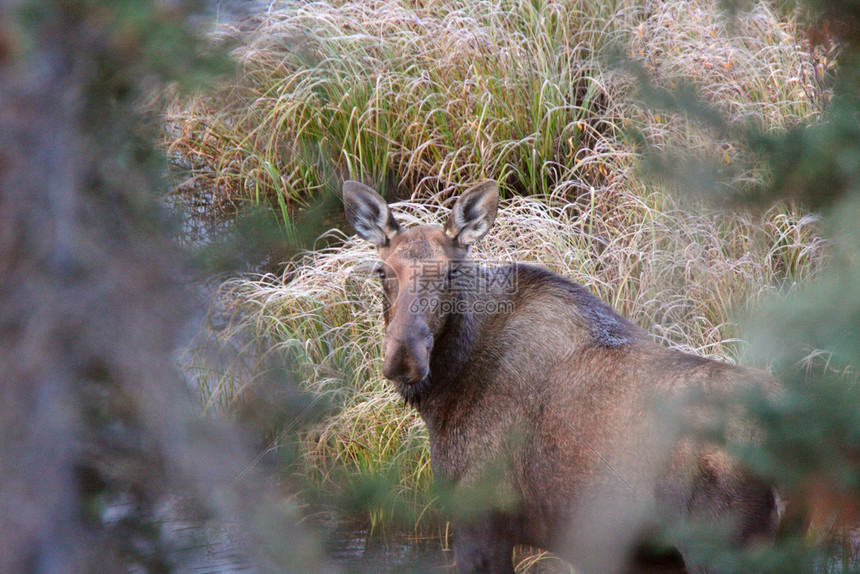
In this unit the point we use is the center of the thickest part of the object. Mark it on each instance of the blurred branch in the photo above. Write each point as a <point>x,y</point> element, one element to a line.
<point>94,412</point>
<point>810,449</point>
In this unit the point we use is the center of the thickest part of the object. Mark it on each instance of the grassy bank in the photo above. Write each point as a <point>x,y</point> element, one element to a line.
<point>421,99</point>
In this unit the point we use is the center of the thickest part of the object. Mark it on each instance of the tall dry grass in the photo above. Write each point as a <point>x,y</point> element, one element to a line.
<point>408,96</point>
<point>424,98</point>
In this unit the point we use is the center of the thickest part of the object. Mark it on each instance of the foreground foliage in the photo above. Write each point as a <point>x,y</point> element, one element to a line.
<point>105,463</point>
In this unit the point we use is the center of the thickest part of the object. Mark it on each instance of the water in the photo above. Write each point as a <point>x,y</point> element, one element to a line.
<point>358,551</point>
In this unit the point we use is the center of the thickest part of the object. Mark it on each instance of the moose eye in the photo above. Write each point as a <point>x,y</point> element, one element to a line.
<point>381,273</point>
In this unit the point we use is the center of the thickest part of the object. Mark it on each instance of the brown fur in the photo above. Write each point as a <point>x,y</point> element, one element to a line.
<point>541,407</point>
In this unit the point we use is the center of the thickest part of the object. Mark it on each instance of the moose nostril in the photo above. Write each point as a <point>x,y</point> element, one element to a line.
<point>402,370</point>
<point>403,377</point>
<point>406,359</point>
<point>395,370</point>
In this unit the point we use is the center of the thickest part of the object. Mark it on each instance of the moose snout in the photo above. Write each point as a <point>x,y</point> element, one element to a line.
<point>407,359</point>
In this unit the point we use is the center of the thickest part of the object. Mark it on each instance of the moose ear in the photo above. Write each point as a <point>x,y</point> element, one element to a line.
<point>473,213</point>
<point>368,214</point>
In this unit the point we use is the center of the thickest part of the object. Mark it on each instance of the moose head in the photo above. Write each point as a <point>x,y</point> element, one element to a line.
<point>418,271</point>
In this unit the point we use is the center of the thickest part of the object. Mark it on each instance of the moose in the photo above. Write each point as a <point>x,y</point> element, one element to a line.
<point>537,397</point>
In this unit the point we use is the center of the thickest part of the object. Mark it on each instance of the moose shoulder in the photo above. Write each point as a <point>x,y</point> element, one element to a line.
<point>536,395</point>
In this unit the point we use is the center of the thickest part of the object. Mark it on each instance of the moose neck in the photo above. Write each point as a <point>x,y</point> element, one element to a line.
<point>454,347</point>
